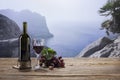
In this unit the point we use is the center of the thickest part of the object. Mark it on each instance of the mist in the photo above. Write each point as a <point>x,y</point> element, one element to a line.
<point>74,23</point>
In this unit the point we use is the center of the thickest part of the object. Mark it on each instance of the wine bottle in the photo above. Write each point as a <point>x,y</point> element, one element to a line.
<point>24,49</point>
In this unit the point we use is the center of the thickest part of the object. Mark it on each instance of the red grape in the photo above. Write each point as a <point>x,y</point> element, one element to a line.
<point>54,62</point>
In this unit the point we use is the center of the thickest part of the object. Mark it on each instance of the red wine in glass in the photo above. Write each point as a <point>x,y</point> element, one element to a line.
<point>38,49</point>
<point>38,46</point>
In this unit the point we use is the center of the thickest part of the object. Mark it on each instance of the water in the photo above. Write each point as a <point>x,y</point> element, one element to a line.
<point>70,39</point>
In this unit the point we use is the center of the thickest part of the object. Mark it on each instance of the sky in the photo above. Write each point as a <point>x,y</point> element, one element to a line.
<point>59,10</point>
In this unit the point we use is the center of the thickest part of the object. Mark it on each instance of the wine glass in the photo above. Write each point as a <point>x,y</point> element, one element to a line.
<point>38,46</point>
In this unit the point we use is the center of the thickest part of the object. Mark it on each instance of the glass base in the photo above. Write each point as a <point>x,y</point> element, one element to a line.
<point>36,67</point>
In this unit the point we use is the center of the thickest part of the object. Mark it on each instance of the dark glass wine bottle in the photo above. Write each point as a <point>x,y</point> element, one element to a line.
<point>24,49</point>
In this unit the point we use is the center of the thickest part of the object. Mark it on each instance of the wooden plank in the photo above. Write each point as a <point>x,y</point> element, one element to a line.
<point>76,69</point>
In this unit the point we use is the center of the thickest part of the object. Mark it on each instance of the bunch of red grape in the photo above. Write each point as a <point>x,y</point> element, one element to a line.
<point>54,62</point>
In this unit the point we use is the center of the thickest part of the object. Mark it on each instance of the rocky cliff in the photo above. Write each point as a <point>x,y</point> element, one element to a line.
<point>9,33</point>
<point>103,47</point>
<point>8,28</point>
<point>37,26</point>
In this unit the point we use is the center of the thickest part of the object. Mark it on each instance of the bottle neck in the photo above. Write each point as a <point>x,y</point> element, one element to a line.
<point>24,28</point>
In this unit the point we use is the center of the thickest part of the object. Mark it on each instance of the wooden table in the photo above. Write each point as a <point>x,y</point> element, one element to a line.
<point>76,69</point>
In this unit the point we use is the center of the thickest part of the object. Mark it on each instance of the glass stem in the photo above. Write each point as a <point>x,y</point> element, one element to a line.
<point>38,63</point>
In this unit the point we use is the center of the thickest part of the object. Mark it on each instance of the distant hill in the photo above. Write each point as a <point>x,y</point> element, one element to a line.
<point>37,26</point>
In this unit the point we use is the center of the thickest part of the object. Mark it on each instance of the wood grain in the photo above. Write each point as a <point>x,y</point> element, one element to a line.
<point>76,69</point>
